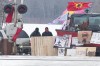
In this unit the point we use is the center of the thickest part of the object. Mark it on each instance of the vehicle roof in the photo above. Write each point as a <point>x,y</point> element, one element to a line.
<point>89,14</point>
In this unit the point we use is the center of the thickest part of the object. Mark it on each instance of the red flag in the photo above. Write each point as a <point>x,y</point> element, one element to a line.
<point>74,6</point>
<point>9,16</point>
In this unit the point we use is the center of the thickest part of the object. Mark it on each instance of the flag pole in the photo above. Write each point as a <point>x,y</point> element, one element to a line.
<point>68,19</point>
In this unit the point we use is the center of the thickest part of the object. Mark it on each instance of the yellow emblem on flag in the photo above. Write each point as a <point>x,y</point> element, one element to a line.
<point>78,5</point>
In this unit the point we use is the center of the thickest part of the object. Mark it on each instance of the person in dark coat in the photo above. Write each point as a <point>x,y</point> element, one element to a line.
<point>47,32</point>
<point>35,32</point>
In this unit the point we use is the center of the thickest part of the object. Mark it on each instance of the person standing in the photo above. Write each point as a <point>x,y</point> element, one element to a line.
<point>35,32</point>
<point>47,32</point>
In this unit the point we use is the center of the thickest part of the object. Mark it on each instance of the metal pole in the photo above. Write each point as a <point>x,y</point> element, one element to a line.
<point>22,1</point>
<point>15,14</point>
<point>15,21</point>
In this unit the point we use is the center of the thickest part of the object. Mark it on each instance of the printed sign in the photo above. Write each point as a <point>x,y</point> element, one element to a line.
<point>63,41</point>
<point>84,37</point>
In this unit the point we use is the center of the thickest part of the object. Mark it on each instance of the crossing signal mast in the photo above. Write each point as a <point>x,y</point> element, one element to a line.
<point>13,20</point>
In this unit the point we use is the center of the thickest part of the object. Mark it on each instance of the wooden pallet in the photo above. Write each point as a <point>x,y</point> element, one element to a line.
<point>43,46</point>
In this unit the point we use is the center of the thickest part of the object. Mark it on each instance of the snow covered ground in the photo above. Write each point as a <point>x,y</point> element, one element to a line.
<point>48,61</point>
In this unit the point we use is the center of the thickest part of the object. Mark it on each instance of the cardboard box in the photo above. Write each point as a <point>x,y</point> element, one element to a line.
<point>85,51</point>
